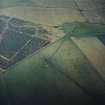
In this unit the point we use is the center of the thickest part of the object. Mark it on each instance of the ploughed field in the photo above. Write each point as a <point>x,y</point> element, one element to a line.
<point>18,39</point>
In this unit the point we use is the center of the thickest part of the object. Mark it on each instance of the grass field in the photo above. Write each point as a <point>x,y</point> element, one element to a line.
<point>69,71</point>
<point>92,11</point>
<point>39,3</point>
<point>3,91</point>
<point>83,29</point>
<point>13,3</point>
<point>58,72</point>
<point>94,50</point>
<point>52,16</point>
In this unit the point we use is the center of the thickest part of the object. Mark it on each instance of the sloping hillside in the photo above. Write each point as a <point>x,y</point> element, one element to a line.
<point>58,74</point>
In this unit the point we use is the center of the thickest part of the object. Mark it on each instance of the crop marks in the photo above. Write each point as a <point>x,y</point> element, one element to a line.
<point>19,38</point>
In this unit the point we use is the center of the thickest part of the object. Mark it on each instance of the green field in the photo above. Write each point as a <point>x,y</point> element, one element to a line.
<point>3,92</point>
<point>81,29</point>
<point>13,3</point>
<point>52,52</point>
<point>58,74</point>
<point>39,3</point>
<point>94,50</point>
